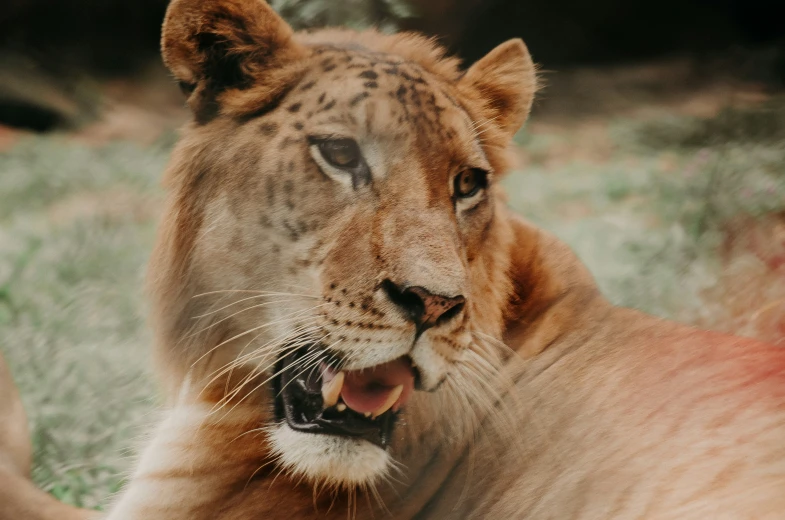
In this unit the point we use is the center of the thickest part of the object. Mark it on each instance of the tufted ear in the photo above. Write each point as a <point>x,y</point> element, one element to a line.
<point>505,81</point>
<point>213,46</point>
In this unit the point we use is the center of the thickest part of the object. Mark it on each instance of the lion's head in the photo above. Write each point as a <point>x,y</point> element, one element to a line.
<point>333,235</point>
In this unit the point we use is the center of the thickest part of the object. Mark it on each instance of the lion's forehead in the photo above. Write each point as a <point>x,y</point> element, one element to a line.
<point>378,94</point>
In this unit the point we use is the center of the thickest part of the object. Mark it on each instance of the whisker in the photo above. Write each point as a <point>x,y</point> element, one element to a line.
<point>250,291</point>
<point>253,374</point>
<point>270,345</point>
<point>286,318</point>
<point>252,298</point>
<point>242,311</point>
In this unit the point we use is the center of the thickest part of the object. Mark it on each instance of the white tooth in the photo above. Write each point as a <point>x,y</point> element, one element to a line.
<point>394,395</point>
<point>340,407</point>
<point>332,391</point>
<point>367,414</point>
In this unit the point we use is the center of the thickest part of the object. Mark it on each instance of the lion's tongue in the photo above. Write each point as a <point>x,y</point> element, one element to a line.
<point>375,390</point>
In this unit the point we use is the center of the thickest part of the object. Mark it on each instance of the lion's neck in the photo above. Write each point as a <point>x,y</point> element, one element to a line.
<point>555,315</point>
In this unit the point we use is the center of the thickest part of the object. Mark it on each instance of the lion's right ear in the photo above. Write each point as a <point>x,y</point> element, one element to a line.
<point>505,82</point>
<point>213,46</point>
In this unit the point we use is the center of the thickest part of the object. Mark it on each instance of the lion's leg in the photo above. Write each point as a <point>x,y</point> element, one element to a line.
<point>19,498</point>
<point>15,447</point>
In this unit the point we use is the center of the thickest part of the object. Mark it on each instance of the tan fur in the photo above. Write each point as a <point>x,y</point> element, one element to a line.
<point>543,401</point>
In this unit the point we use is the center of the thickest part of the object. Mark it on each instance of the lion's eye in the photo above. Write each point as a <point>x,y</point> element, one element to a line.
<point>469,182</point>
<point>340,159</point>
<point>340,153</point>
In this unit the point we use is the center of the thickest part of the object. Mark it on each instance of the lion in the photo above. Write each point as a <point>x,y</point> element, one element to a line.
<point>350,321</point>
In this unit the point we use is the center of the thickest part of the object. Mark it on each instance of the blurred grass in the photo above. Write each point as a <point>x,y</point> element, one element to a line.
<point>650,220</point>
<point>76,226</point>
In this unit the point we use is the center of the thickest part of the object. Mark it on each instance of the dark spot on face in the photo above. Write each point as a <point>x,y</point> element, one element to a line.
<point>298,125</point>
<point>332,286</point>
<point>288,186</point>
<point>270,188</point>
<point>370,84</point>
<point>351,304</point>
<point>321,97</point>
<point>295,107</point>
<point>268,129</point>
<point>308,85</point>
<point>293,234</point>
<point>343,291</point>
<point>329,105</point>
<point>406,76</point>
<point>359,97</point>
<point>401,94</point>
<point>416,96</point>
<point>288,141</point>
<point>369,74</point>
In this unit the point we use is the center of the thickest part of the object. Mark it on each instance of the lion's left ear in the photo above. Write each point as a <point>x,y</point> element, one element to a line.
<point>505,80</point>
<point>214,46</point>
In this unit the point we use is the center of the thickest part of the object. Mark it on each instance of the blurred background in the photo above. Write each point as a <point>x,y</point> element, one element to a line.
<point>656,149</point>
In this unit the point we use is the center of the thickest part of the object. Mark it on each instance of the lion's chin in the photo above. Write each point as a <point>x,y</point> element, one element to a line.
<point>332,459</point>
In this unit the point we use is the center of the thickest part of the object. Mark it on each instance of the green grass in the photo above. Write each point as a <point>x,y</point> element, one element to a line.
<point>649,221</point>
<point>76,227</point>
<point>73,241</point>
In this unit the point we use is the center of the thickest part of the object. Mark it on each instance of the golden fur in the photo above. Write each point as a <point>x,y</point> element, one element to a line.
<point>542,400</point>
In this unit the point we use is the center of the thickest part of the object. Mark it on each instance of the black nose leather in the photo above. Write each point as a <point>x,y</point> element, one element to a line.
<point>423,307</point>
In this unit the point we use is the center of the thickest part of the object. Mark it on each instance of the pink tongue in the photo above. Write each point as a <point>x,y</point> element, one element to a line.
<point>366,390</point>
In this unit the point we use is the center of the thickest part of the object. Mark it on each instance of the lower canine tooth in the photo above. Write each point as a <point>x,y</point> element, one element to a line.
<point>340,407</point>
<point>332,391</point>
<point>391,399</point>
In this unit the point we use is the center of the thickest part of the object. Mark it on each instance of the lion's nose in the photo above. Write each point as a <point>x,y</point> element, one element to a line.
<point>423,307</point>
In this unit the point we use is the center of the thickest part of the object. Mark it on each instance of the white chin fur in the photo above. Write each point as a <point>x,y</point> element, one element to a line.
<point>340,461</point>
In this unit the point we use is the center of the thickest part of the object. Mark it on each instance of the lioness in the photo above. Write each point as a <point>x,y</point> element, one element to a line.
<point>350,321</point>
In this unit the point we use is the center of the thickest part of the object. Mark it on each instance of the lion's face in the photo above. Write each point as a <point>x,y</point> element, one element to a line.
<point>337,228</point>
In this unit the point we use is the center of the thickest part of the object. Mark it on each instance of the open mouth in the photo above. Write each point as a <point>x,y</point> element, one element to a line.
<point>353,403</point>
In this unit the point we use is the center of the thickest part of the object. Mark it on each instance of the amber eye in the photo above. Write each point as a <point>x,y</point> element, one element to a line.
<point>469,182</point>
<point>341,153</point>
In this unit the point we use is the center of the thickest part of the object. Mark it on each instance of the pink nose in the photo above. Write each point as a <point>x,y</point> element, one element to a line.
<point>423,307</point>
